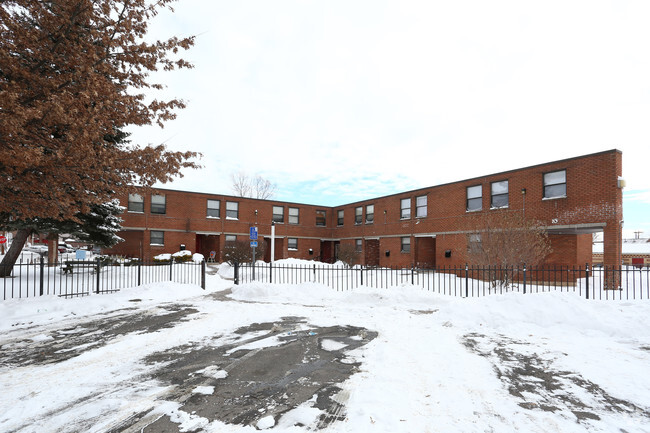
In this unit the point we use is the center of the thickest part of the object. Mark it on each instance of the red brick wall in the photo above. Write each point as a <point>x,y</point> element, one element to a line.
<point>593,199</point>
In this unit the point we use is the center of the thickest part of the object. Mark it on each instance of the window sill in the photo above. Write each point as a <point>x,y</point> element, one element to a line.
<point>473,210</point>
<point>292,249</point>
<point>232,218</point>
<point>212,218</point>
<point>499,207</point>
<point>156,245</point>
<point>553,198</point>
<point>135,211</point>
<point>421,217</point>
<point>405,218</point>
<point>405,252</point>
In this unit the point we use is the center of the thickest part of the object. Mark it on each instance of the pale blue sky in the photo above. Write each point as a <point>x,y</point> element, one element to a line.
<point>320,97</point>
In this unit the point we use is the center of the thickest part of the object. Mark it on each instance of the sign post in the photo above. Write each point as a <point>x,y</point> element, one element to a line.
<point>253,237</point>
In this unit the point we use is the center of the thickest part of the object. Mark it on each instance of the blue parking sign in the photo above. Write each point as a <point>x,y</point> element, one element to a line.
<point>253,233</point>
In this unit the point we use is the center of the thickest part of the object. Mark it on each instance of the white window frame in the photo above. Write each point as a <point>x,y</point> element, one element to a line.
<point>294,215</point>
<point>232,208</point>
<point>370,213</point>
<point>405,244</point>
<point>160,233</point>
<point>405,208</point>
<point>473,198</point>
<point>278,217</point>
<point>217,209</point>
<point>135,199</point>
<point>547,183</point>
<point>159,203</point>
<point>293,241</point>
<point>499,195</point>
<point>421,203</point>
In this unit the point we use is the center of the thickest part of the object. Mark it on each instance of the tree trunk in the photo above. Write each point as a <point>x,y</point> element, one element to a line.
<point>7,265</point>
<point>52,248</point>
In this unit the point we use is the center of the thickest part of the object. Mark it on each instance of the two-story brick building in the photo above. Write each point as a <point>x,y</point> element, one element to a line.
<point>572,198</point>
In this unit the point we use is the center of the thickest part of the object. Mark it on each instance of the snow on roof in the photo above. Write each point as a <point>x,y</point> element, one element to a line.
<point>630,246</point>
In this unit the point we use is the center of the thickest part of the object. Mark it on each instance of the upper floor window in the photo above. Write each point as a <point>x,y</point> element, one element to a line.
<point>406,244</point>
<point>499,194</point>
<point>339,220</point>
<point>136,203</point>
<point>156,237</point>
<point>292,243</point>
<point>370,213</point>
<point>158,204</point>
<point>278,214</point>
<point>358,215</point>
<point>555,184</point>
<point>474,197</point>
<point>405,208</point>
<point>358,245</point>
<point>214,208</point>
<point>320,218</point>
<point>294,215</point>
<point>232,209</point>
<point>421,206</point>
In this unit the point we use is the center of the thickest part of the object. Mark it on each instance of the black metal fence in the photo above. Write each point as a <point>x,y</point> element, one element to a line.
<point>78,278</point>
<point>622,282</point>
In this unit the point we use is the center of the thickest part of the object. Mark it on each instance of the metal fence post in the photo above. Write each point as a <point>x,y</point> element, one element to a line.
<point>139,272</point>
<point>466,281</point>
<point>203,274</point>
<point>314,280</point>
<point>412,275</point>
<point>171,269</point>
<point>42,276</point>
<point>98,267</point>
<point>271,272</point>
<point>587,279</point>
<point>236,273</point>
<point>524,278</point>
<point>362,275</point>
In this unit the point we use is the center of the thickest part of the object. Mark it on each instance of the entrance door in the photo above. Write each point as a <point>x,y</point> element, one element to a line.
<point>372,252</point>
<point>425,252</point>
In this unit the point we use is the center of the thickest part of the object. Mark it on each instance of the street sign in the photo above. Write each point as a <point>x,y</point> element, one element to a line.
<point>3,239</point>
<point>253,233</point>
<point>253,244</point>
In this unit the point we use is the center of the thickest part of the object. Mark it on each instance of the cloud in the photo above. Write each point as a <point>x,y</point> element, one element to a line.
<point>353,100</point>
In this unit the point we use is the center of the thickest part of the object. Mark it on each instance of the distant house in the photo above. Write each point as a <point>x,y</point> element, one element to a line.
<point>634,252</point>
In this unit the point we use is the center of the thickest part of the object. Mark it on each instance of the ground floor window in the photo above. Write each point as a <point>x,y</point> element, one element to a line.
<point>157,237</point>
<point>359,245</point>
<point>406,244</point>
<point>292,243</point>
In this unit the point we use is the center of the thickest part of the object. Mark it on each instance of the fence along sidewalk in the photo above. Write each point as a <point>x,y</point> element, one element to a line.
<point>79,278</point>
<point>620,283</point>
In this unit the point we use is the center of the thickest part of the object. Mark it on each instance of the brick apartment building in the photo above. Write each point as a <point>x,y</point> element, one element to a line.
<point>573,198</point>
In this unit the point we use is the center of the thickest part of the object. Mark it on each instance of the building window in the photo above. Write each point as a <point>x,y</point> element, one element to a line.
<point>406,244</point>
<point>474,198</point>
<point>339,220</point>
<point>292,243</point>
<point>358,215</point>
<point>474,242</point>
<point>294,215</point>
<point>405,208</point>
<point>230,241</point>
<point>158,204</point>
<point>499,194</point>
<point>555,184</point>
<point>136,203</point>
<point>358,245</point>
<point>320,218</point>
<point>214,207</point>
<point>370,214</point>
<point>421,206</point>
<point>278,214</point>
<point>157,237</point>
<point>232,210</point>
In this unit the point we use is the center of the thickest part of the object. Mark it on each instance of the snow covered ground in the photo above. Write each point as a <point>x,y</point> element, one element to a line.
<point>545,362</point>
